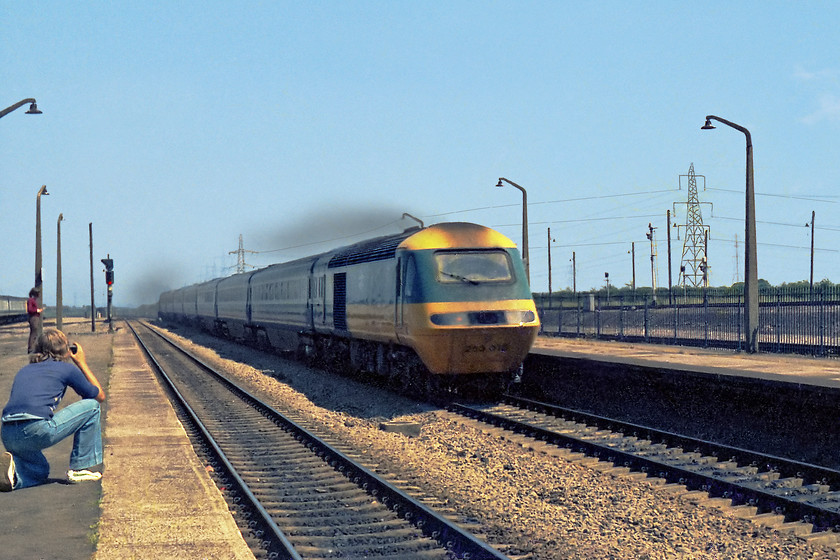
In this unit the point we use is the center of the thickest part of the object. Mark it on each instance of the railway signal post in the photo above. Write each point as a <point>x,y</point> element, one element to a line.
<point>109,280</point>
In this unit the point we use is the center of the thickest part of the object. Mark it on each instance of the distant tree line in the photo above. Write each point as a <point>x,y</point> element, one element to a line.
<point>800,289</point>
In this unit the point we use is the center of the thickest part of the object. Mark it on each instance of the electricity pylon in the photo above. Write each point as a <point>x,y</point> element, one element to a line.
<point>240,257</point>
<point>694,264</point>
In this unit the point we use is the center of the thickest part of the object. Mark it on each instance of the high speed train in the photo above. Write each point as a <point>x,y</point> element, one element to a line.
<point>447,305</point>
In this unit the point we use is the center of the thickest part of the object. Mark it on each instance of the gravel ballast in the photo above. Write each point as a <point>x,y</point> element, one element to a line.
<point>545,507</point>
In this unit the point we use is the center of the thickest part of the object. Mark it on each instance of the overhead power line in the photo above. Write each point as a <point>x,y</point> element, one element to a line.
<point>790,196</point>
<point>586,198</point>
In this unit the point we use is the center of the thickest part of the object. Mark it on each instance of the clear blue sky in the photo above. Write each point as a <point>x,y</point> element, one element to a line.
<point>174,127</point>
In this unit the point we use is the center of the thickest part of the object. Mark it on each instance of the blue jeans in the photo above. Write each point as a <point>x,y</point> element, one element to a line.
<point>25,440</point>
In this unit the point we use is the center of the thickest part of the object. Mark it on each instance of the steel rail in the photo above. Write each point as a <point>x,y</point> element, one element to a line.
<point>785,467</point>
<point>286,547</point>
<point>458,541</point>
<point>765,501</point>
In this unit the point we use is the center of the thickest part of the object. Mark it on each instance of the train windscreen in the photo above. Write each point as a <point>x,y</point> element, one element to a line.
<point>473,267</point>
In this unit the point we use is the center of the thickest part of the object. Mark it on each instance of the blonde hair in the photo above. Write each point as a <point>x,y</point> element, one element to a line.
<point>51,345</point>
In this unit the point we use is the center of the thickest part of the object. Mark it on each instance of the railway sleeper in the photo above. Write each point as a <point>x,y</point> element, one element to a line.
<point>789,482</point>
<point>355,529</point>
<point>822,538</point>
<point>331,517</point>
<point>317,502</point>
<point>432,551</point>
<point>377,537</point>
<point>342,535</point>
<point>358,503</point>
<point>823,499</point>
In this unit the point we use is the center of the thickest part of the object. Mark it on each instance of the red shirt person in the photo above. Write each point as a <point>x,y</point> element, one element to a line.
<point>34,313</point>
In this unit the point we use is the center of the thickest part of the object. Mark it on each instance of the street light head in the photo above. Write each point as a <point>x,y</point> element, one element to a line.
<point>707,126</point>
<point>33,109</point>
<point>499,184</point>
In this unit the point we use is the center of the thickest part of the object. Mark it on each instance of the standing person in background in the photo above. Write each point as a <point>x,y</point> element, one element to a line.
<point>34,313</point>
<point>30,422</point>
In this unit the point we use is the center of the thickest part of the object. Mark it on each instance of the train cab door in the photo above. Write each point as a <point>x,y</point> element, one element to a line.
<point>398,302</point>
<point>406,281</point>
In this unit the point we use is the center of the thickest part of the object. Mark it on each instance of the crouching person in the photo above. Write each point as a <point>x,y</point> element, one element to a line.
<point>31,424</point>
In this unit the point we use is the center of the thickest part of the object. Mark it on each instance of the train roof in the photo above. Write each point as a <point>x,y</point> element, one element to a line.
<point>377,249</point>
<point>457,234</point>
<point>438,236</point>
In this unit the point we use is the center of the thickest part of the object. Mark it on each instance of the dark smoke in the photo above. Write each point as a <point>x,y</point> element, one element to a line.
<point>331,228</point>
<point>154,280</point>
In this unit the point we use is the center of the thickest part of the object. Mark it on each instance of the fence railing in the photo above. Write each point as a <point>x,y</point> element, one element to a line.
<point>792,321</point>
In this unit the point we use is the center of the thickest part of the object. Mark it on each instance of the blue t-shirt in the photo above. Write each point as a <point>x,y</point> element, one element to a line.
<point>39,387</point>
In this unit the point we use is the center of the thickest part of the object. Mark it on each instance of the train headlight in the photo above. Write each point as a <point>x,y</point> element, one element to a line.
<point>520,317</point>
<point>450,319</point>
<point>482,318</point>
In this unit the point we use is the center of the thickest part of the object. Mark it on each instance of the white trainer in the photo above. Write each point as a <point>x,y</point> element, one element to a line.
<point>7,472</point>
<point>82,475</point>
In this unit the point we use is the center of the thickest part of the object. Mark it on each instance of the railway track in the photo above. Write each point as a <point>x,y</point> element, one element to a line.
<point>777,492</point>
<point>295,495</point>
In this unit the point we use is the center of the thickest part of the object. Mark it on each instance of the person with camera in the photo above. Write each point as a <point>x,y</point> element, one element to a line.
<point>30,422</point>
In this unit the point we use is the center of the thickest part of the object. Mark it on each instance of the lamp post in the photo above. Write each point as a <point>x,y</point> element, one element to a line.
<point>38,278</point>
<point>811,284</point>
<point>58,299</point>
<point>751,255</point>
<point>525,259</point>
<point>650,236</point>
<point>33,107</point>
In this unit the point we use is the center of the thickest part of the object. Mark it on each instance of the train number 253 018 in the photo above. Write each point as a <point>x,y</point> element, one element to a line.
<point>480,348</point>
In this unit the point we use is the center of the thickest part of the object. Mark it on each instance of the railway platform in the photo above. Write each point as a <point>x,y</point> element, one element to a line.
<point>155,499</point>
<point>767,368</point>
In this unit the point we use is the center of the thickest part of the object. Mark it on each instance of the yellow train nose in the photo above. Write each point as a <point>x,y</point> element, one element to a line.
<point>482,350</point>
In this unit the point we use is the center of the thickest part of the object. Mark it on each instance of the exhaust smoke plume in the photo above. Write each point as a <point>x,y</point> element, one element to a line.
<point>329,229</point>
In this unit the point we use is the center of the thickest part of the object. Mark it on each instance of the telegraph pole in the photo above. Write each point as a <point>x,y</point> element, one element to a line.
<point>549,267</point>
<point>670,285</point>
<point>92,304</point>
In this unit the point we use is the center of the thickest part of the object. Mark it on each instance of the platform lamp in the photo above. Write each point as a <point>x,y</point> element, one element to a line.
<point>751,256</point>
<point>38,278</point>
<point>525,259</point>
<point>59,302</point>
<point>33,107</point>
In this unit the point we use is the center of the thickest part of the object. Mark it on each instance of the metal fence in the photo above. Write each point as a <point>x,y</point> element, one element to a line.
<point>791,320</point>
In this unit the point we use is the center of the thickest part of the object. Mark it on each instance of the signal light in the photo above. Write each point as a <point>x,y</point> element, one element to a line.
<point>109,270</point>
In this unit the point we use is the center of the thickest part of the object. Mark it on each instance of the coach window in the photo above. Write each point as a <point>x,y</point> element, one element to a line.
<point>410,285</point>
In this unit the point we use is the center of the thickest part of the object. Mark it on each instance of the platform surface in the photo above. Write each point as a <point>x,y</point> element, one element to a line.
<point>155,499</point>
<point>785,368</point>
